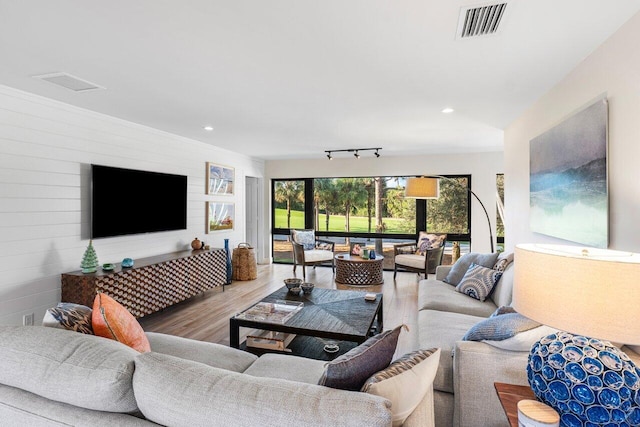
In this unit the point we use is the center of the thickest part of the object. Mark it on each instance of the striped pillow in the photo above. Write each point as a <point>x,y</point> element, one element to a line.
<point>405,382</point>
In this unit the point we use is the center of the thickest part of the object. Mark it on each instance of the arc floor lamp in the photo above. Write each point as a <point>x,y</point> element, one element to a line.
<point>428,187</point>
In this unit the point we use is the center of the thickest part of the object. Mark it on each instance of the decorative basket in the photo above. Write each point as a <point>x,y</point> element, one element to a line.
<point>244,263</point>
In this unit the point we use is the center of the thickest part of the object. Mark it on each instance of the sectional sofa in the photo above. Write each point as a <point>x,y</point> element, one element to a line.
<point>464,393</point>
<point>54,377</point>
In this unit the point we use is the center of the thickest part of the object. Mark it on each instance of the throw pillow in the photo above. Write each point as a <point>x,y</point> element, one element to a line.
<point>522,341</point>
<point>429,241</point>
<point>66,315</point>
<point>305,238</point>
<point>405,382</point>
<point>351,370</point>
<point>111,320</point>
<point>478,282</point>
<point>461,266</point>
<point>500,327</point>
<point>504,259</point>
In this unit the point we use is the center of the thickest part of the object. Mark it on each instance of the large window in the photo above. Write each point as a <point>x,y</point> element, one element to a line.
<point>370,211</point>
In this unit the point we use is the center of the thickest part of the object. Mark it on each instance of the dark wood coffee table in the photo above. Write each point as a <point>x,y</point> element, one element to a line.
<point>328,314</point>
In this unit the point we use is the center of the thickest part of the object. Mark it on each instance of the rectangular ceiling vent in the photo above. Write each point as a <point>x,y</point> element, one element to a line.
<point>68,81</point>
<point>480,20</point>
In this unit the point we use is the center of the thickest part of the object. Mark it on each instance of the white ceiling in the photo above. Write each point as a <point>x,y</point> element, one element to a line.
<point>292,78</point>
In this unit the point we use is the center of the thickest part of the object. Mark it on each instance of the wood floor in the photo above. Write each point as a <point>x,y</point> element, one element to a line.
<point>206,317</point>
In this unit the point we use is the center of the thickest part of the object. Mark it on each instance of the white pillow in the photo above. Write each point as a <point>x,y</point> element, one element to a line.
<point>405,382</point>
<point>523,341</point>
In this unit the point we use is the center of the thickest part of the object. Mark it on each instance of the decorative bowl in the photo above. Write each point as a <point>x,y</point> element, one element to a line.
<point>293,283</point>
<point>307,287</point>
<point>295,291</point>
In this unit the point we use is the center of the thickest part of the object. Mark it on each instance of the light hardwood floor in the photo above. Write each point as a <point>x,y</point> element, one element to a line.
<point>206,317</point>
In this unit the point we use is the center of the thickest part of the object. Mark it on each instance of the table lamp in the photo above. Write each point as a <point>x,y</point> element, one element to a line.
<point>593,295</point>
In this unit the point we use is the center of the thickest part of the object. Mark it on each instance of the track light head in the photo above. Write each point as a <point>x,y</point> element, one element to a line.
<point>377,154</point>
<point>329,156</point>
<point>356,155</point>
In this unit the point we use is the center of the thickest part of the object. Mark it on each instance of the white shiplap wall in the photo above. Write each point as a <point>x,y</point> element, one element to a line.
<point>46,149</point>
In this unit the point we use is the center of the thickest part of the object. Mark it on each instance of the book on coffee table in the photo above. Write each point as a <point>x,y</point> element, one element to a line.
<point>270,340</point>
<point>272,312</point>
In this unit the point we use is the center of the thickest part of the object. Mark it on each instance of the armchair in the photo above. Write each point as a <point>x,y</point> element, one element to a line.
<point>421,257</point>
<point>309,250</point>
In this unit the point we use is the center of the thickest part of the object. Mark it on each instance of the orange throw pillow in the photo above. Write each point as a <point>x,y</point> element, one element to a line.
<point>112,320</point>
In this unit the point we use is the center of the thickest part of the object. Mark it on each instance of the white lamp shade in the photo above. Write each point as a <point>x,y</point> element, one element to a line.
<point>422,188</point>
<point>585,291</point>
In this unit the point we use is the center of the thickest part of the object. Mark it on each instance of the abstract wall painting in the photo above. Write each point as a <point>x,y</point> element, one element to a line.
<point>220,179</point>
<point>568,184</point>
<point>220,216</point>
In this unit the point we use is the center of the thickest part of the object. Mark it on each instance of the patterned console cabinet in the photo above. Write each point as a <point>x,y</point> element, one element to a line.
<point>152,283</point>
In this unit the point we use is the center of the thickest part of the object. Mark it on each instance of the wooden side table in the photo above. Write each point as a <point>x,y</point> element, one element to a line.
<point>355,270</point>
<point>510,395</point>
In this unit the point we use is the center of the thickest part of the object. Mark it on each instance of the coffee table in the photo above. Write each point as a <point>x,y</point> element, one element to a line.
<point>355,270</point>
<point>327,315</point>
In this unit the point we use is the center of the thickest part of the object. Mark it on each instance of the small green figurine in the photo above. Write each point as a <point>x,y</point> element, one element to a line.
<point>89,262</point>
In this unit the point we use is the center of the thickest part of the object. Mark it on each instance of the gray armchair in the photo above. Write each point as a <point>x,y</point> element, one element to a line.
<point>422,257</point>
<point>309,250</point>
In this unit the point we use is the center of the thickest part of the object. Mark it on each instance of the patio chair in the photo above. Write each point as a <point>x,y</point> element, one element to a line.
<point>422,257</point>
<point>309,250</point>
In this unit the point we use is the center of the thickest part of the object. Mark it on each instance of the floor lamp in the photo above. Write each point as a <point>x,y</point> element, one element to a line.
<point>428,187</point>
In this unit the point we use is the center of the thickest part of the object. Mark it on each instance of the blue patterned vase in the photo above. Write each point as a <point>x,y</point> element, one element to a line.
<point>229,267</point>
<point>589,382</point>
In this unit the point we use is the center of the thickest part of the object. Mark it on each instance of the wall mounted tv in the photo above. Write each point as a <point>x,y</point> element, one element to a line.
<point>127,201</point>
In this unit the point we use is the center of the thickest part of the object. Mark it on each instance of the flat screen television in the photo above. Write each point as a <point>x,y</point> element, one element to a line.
<point>127,201</point>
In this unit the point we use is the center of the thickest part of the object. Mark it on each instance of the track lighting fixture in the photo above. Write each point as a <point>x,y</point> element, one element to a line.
<point>355,151</point>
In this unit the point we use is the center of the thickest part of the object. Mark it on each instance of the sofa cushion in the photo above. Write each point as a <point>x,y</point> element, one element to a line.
<point>79,369</point>
<point>316,255</point>
<point>427,241</point>
<point>500,327</point>
<point>351,370</point>
<point>461,266</point>
<point>212,354</point>
<point>503,291</point>
<point>287,367</point>
<point>306,238</point>
<point>410,260</point>
<point>67,315</point>
<point>504,259</point>
<point>522,341</point>
<point>405,382</point>
<point>442,329</point>
<point>478,282</point>
<point>111,320</point>
<point>168,389</point>
<point>437,295</point>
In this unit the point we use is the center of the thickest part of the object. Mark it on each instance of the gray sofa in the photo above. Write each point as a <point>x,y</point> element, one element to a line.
<point>54,377</point>
<point>464,394</point>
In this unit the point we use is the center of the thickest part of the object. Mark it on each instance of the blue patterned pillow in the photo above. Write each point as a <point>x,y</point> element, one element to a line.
<point>504,323</point>
<point>305,238</point>
<point>479,281</point>
<point>429,241</point>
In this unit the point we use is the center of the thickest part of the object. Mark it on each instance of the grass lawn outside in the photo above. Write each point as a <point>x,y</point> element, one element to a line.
<point>337,222</point>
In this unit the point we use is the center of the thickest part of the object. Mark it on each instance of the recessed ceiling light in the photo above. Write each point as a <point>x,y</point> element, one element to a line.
<point>447,110</point>
<point>208,128</point>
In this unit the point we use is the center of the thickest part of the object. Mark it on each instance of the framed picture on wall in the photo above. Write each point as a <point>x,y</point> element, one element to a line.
<point>220,179</point>
<point>568,185</point>
<point>220,216</point>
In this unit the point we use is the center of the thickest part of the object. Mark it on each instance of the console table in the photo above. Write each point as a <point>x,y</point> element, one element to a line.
<point>152,283</point>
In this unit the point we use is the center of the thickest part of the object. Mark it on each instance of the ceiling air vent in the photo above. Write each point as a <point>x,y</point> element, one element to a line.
<point>480,20</point>
<point>68,81</point>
